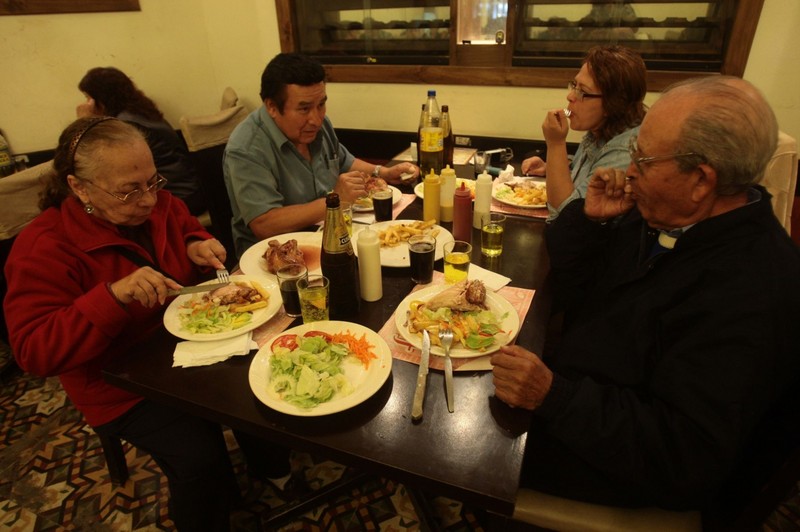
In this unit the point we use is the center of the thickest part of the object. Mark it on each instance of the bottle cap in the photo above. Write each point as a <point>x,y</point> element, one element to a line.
<point>367,236</point>
<point>447,170</point>
<point>463,190</point>
<point>432,177</point>
<point>484,176</point>
<point>332,200</point>
<point>431,92</point>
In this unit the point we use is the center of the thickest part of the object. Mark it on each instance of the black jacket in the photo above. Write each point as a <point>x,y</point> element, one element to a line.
<point>667,364</point>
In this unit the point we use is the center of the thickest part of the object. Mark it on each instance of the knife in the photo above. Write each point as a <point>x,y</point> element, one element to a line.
<point>195,289</point>
<point>422,377</point>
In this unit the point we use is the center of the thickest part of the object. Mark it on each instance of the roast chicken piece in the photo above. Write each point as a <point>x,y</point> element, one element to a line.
<point>279,255</point>
<point>234,294</point>
<point>463,296</point>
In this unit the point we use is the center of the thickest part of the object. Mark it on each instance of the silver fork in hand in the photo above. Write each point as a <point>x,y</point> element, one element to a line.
<point>446,337</point>
<point>223,276</point>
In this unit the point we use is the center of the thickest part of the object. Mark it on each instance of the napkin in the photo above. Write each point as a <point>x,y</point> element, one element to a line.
<point>492,280</point>
<point>505,175</point>
<point>189,354</point>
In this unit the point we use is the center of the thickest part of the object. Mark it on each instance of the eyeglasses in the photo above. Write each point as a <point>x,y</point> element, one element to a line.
<point>579,94</point>
<point>633,149</point>
<point>135,195</point>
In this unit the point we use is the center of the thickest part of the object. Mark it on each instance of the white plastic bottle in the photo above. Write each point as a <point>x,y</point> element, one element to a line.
<point>448,188</point>
<point>369,265</point>
<point>483,198</point>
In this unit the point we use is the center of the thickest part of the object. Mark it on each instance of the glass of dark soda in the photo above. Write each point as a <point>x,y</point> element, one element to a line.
<point>287,281</point>
<point>382,204</point>
<point>422,253</point>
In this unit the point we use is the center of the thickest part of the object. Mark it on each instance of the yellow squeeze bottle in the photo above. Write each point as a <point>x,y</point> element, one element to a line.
<point>431,188</point>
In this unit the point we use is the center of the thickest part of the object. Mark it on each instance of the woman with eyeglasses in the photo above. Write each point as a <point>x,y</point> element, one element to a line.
<point>606,99</point>
<point>110,92</point>
<point>79,295</point>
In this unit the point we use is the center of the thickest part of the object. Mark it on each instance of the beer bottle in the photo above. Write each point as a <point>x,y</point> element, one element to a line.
<point>339,262</point>
<point>448,137</point>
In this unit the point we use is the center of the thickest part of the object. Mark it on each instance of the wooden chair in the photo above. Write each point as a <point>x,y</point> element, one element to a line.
<point>557,513</point>
<point>780,178</point>
<point>206,137</point>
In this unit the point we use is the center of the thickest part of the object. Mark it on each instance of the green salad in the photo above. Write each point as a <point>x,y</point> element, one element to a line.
<point>307,370</point>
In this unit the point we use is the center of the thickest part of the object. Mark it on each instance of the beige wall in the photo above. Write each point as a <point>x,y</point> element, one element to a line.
<point>183,53</point>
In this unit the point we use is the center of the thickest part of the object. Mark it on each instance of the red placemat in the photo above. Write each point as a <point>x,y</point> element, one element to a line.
<point>520,299</point>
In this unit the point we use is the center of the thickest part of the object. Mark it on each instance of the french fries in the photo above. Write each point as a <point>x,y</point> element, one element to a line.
<point>394,235</point>
<point>256,305</point>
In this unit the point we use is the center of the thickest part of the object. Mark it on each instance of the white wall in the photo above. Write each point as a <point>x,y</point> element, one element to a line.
<point>183,53</point>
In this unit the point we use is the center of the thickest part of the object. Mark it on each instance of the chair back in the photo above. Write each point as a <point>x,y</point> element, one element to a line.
<point>780,179</point>
<point>206,137</point>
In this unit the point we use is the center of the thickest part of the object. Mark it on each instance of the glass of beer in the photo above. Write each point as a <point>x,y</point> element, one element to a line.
<point>492,228</point>
<point>421,254</point>
<point>287,282</point>
<point>314,292</point>
<point>456,261</point>
<point>382,205</point>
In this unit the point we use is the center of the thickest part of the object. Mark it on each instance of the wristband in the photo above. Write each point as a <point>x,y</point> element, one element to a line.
<point>377,171</point>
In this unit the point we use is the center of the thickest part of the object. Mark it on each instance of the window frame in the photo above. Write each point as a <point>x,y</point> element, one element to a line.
<point>42,7</point>
<point>470,65</point>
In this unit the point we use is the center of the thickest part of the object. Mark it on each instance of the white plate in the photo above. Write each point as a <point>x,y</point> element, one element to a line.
<point>173,323</point>
<point>365,381</point>
<point>496,303</point>
<point>397,256</point>
<point>253,262</point>
<point>419,190</point>
<point>396,196</point>
<point>500,186</point>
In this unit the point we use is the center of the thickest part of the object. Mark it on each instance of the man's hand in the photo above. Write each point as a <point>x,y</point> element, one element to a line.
<point>351,186</point>
<point>392,174</point>
<point>521,379</point>
<point>608,195</point>
<point>534,166</point>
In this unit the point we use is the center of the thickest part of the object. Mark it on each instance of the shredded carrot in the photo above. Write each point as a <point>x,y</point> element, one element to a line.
<point>360,347</point>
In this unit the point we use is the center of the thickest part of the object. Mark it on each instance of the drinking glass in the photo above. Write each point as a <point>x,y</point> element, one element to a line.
<point>456,261</point>
<point>382,205</point>
<point>314,292</point>
<point>421,254</point>
<point>492,229</point>
<point>287,282</point>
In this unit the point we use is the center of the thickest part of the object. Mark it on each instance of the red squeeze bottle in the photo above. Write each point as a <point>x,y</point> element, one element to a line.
<point>462,213</point>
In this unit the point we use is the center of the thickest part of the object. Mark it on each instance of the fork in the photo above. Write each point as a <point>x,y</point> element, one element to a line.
<point>223,276</point>
<point>446,337</point>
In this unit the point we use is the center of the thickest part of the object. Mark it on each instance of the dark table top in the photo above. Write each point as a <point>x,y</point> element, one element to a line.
<point>473,455</point>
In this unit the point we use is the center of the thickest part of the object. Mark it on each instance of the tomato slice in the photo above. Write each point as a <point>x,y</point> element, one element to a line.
<point>289,341</point>
<point>325,335</point>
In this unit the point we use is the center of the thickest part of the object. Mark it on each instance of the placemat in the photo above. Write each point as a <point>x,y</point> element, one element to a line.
<point>274,326</point>
<point>520,299</point>
<point>498,206</point>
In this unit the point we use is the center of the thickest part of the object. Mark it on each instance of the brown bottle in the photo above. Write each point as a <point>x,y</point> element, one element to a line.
<point>448,138</point>
<point>339,262</point>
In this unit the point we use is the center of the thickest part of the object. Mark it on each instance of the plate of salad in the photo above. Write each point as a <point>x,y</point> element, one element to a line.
<point>320,368</point>
<point>478,331</point>
<point>246,303</point>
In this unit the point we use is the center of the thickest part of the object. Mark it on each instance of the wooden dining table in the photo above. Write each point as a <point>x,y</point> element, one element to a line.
<point>473,455</point>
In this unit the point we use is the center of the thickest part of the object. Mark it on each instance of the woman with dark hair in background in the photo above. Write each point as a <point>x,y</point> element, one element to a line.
<point>606,99</point>
<point>109,92</point>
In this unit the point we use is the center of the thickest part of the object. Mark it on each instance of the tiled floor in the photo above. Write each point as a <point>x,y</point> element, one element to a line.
<point>53,477</point>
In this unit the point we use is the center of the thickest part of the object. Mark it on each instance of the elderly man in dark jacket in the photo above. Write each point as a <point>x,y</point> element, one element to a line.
<point>681,293</point>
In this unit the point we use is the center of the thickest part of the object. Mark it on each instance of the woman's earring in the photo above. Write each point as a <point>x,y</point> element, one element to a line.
<point>88,208</point>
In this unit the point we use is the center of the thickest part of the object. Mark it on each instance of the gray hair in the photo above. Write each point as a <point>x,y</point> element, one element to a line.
<point>733,129</point>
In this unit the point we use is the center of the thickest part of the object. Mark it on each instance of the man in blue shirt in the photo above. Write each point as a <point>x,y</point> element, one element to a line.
<point>284,158</point>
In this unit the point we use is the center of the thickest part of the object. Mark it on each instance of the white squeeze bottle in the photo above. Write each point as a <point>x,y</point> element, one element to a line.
<point>483,198</point>
<point>448,188</point>
<point>369,265</point>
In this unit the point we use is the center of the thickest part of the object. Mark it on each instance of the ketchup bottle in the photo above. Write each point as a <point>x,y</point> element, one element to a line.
<point>462,214</point>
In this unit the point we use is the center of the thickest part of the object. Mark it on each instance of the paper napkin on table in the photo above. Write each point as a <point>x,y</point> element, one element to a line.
<point>505,175</point>
<point>492,280</point>
<point>189,354</point>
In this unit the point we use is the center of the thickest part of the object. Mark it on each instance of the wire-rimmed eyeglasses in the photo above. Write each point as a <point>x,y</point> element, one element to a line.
<point>633,149</point>
<point>581,94</point>
<point>155,184</point>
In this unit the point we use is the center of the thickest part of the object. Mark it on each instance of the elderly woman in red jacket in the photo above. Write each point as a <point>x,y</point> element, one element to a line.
<point>88,278</point>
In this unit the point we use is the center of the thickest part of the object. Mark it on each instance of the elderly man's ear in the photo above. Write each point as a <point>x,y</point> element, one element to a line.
<point>705,182</point>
